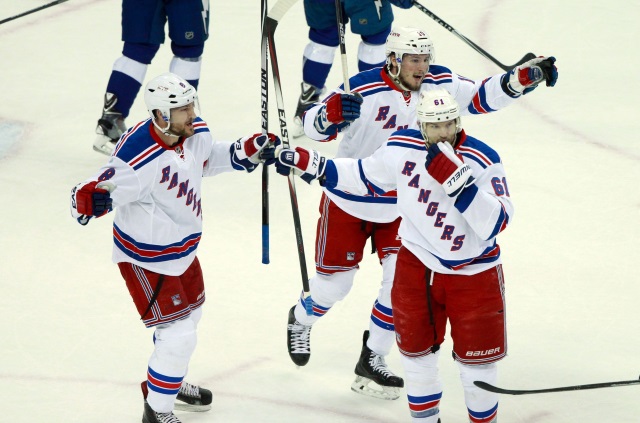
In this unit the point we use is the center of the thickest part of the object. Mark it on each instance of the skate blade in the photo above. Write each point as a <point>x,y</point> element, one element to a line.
<point>103,144</point>
<point>297,130</point>
<point>361,386</point>
<point>182,406</point>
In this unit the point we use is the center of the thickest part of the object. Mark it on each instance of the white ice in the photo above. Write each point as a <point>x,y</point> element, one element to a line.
<point>71,346</point>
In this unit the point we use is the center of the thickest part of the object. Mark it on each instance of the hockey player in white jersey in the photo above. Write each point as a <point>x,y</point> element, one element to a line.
<point>382,101</point>
<point>153,180</point>
<point>454,200</point>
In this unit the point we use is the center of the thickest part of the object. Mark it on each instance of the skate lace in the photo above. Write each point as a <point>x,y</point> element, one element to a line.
<point>378,365</point>
<point>190,390</point>
<point>167,418</point>
<point>299,338</point>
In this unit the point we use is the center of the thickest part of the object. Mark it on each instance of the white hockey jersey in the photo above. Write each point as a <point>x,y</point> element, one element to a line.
<point>158,220</point>
<point>385,110</point>
<point>448,235</point>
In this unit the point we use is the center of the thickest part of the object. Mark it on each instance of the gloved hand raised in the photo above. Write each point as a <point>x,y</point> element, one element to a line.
<point>248,152</point>
<point>338,112</point>
<point>93,199</point>
<point>528,75</point>
<point>448,169</point>
<point>308,164</point>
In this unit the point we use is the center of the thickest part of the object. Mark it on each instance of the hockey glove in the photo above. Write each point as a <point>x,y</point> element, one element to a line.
<point>308,164</point>
<point>248,152</point>
<point>338,112</point>
<point>404,4</point>
<point>92,200</point>
<point>448,169</point>
<point>527,76</point>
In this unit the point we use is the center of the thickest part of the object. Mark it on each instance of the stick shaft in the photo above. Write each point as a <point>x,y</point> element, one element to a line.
<point>264,103</point>
<point>473,45</point>
<point>343,49</point>
<point>271,23</point>
<point>28,12</point>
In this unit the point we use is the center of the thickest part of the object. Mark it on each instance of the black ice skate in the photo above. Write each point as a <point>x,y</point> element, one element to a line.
<point>151,416</point>
<point>308,97</point>
<point>372,368</point>
<point>193,398</point>
<point>110,126</point>
<point>298,340</point>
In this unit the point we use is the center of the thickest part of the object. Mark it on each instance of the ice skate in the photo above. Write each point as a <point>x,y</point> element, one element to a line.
<point>190,397</point>
<point>110,126</point>
<point>151,416</point>
<point>372,368</point>
<point>308,97</point>
<point>193,398</point>
<point>298,341</point>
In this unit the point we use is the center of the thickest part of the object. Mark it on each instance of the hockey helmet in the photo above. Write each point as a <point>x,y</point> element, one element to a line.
<point>407,40</point>
<point>169,91</point>
<point>437,106</point>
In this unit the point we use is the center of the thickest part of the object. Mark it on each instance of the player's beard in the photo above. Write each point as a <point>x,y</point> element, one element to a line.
<point>185,130</point>
<point>411,84</point>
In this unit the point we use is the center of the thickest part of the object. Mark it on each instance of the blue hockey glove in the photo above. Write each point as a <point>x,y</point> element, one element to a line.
<point>448,169</point>
<point>248,152</point>
<point>404,4</point>
<point>307,164</point>
<point>338,112</point>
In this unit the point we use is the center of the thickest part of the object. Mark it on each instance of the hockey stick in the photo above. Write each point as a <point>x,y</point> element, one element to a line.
<point>273,17</point>
<point>473,45</point>
<point>264,101</point>
<point>491,388</point>
<point>28,12</point>
<point>343,49</point>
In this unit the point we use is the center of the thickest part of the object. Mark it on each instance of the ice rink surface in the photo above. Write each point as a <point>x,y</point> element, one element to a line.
<point>71,346</point>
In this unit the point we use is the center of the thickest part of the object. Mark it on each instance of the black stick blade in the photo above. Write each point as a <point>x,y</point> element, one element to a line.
<point>497,390</point>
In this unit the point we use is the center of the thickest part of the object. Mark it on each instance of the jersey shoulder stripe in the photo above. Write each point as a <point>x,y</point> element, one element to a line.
<point>438,75</point>
<point>369,82</point>
<point>137,147</point>
<point>407,138</point>
<point>200,126</point>
<point>479,152</point>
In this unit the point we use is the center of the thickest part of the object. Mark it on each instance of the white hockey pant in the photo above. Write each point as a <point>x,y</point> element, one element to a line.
<point>174,345</point>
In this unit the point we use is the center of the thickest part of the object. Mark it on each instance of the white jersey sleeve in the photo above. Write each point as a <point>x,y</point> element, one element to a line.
<point>474,97</point>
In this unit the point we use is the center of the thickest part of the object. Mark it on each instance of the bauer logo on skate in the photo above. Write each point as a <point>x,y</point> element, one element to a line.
<point>191,198</point>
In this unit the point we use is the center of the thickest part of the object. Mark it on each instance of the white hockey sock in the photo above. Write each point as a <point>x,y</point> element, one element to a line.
<point>371,54</point>
<point>480,403</point>
<point>187,68</point>
<point>174,345</point>
<point>382,336</point>
<point>424,388</point>
<point>130,67</point>
<point>326,290</point>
